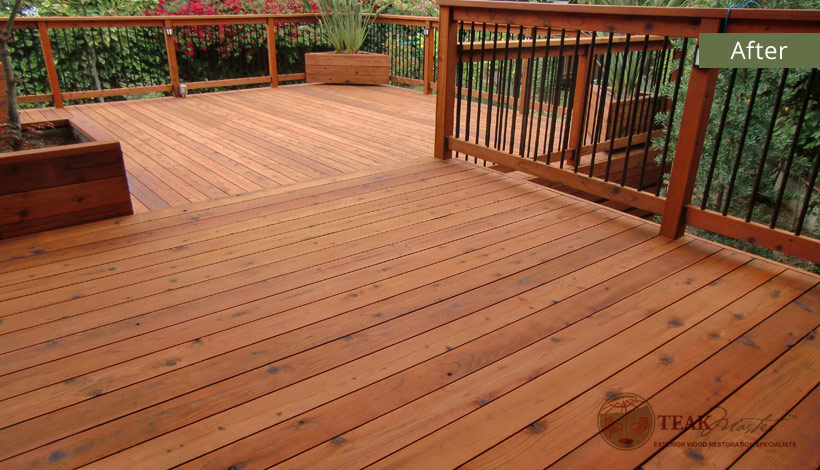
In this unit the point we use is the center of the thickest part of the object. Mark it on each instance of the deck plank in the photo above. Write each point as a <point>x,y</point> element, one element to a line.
<point>210,146</point>
<point>645,377</point>
<point>797,431</point>
<point>376,317</point>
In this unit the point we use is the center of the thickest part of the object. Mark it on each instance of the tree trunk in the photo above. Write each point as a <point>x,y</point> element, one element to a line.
<point>15,134</point>
<point>95,76</point>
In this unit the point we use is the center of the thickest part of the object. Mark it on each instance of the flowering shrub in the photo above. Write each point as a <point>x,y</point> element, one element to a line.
<point>231,7</point>
<point>411,7</point>
<point>236,7</point>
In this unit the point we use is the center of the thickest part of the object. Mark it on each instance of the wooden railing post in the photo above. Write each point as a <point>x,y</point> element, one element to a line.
<point>429,55</point>
<point>51,69</point>
<point>525,72</point>
<point>695,119</point>
<point>579,99</point>
<point>274,74</point>
<point>446,83</point>
<point>171,51</point>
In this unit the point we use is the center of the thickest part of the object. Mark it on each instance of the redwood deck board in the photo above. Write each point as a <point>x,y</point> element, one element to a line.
<point>423,315</point>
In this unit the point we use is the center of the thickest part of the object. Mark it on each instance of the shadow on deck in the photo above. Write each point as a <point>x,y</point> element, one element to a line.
<point>423,315</point>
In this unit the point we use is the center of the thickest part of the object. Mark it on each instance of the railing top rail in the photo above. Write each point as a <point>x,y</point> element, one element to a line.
<point>637,20</point>
<point>677,12</point>
<point>179,20</point>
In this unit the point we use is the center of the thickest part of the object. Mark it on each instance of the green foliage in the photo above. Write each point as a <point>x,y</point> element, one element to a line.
<point>344,24</point>
<point>92,7</point>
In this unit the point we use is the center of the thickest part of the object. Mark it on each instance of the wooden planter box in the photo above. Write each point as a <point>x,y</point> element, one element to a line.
<point>53,187</point>
<point>364,68</point>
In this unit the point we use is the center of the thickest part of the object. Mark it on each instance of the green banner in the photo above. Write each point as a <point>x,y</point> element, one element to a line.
<point>759,50</point>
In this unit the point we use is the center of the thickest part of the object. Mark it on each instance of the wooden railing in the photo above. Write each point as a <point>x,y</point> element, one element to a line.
<point>552,90</point>
<point>176,40</point>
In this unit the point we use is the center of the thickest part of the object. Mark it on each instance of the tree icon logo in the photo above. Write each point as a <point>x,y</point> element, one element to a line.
<point>626,421</point>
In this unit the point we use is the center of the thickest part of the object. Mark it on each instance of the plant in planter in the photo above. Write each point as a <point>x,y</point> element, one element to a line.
<point>344,25</point>
<point>57,173</point>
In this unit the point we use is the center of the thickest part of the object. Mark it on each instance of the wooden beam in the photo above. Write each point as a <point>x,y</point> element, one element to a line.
<point>80,95</point>
<point>445,99</point>
<point>578,102</point>
<point>592,185</point>
<point>429,56</point>
<point>228,82</point>
<point>35,98</point>
<point>171,52</point>
<point>51,69</point>
<point>274,80</point>
<point>695,119</point>
<point>291,77</point>
<point>602,146</point>
<point>407,81</point>
<point>754,233</point>
<point>551,47</point>
<point>522,96</point>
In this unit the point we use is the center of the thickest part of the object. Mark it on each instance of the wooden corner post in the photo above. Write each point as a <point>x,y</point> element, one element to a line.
<point>429,55</point>
<point>446,83</point>
<point>171,51</point>
<point>695,119</point>
<point>274,74</point>
<point>51,69</point>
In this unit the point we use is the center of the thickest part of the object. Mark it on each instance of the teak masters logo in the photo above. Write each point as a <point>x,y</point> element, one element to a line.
<point>626,421</point>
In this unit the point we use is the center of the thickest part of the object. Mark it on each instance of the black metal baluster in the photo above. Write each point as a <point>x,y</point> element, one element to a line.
<point>507,82</point>
<point>604,84</point>
<point>468,121</point>
<point>556,97</point>
<point>490,91</point>
<point>762,163</point>
<point>576,153</point>
<point>516,87</point>
<point>459,77</point>
<point>798,130</point>
<point>613,129</point>
<point>661,66</point>
<point>501,99</point>
<point>634,109</point>
<point>526,104</point>
<point>743,133</point>
<point>545,64</point>
<point>674,104</point>
<point>809,191</point>
<point>718,138</point>
<point>480,82</point>
<point>568,114</point>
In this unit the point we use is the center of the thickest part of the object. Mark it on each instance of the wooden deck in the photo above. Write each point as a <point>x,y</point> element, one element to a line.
<point>209,146</point>
<point>422,315</point>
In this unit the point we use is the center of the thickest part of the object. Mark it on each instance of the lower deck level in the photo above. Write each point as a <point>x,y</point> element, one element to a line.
<point>423,315</point>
